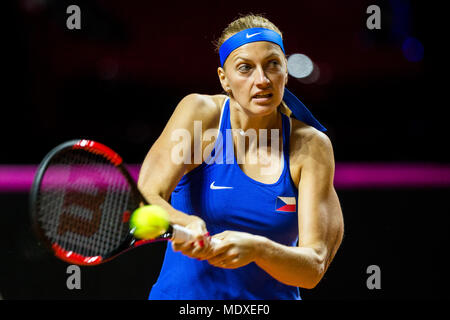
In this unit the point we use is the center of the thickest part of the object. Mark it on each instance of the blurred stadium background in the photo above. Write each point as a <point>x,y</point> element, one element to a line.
<point>118,79</point>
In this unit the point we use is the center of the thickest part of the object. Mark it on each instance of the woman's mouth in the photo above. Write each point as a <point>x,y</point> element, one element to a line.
<point>262,97</point>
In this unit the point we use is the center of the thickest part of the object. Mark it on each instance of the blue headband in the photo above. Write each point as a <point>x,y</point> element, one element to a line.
<point>298,109</point>
<point>247,36</point>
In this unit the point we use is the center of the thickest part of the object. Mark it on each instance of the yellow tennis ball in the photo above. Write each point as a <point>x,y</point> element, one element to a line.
<point>149,222</point>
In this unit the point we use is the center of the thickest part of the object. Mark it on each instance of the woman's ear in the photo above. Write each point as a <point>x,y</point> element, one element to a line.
<point>223,80</point>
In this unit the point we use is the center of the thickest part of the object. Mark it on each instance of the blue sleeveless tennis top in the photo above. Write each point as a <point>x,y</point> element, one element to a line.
<point>226,198</point>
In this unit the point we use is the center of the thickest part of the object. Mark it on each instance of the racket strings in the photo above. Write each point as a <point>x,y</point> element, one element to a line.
<point>81,202</point>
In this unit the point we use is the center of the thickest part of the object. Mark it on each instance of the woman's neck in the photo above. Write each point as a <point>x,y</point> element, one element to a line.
<point>243,121</point>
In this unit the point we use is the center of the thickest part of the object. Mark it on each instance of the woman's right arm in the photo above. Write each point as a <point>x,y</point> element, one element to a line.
<point>162,170</point>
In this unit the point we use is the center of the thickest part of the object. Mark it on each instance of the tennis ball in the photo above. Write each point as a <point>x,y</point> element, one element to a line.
<point>149,222</point>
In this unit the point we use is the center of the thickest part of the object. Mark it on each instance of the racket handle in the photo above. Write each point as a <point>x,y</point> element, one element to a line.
<point>181,233</point>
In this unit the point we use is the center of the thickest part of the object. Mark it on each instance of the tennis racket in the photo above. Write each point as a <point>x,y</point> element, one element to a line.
<point>81,201</point>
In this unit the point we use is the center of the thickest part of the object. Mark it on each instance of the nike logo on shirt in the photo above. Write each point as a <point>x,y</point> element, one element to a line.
<point>214,187</point>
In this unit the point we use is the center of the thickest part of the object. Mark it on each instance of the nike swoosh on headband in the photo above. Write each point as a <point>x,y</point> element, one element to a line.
<point>248,36</point>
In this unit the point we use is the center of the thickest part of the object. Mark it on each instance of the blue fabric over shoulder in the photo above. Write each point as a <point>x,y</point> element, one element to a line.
<point>300,111</point>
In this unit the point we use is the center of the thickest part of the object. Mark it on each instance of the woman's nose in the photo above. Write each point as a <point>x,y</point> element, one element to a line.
<point>261,78</point>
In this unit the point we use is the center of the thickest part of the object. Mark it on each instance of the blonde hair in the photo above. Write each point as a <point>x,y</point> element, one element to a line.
<point>245,22</point>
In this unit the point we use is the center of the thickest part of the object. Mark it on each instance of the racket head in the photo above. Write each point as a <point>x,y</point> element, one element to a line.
<point>80,202</point>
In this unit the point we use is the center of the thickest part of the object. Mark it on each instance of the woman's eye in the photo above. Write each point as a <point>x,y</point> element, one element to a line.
<point>274,63</point>
<point>244,68</point>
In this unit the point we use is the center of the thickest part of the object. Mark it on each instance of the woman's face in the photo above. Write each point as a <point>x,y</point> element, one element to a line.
<point>255,75</point>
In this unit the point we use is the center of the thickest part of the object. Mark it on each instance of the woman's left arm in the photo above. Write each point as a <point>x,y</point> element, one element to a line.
<point>320,222</point>
<point>320,227</point>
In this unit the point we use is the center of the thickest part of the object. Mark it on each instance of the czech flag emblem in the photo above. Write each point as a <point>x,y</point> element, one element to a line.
<point>286,204</point>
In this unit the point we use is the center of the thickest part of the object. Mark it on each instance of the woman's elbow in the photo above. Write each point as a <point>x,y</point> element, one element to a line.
<point>314,276</point>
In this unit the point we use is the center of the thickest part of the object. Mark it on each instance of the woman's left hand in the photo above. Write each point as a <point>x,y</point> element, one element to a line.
<point>235,249</point>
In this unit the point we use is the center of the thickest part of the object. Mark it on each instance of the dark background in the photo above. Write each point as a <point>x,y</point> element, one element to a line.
<point>118,79</point>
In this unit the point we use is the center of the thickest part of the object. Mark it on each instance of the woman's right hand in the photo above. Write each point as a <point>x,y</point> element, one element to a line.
<point>198,246</point>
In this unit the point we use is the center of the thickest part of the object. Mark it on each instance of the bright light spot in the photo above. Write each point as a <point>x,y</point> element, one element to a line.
<point>299,65</point>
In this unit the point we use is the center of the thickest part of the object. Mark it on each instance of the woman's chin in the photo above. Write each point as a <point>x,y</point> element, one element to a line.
<point>262,109</point>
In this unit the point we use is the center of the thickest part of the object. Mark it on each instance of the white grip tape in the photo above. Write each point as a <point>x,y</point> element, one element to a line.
<point>181,233</point>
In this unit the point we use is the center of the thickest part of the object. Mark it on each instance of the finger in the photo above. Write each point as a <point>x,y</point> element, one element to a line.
<point>223,264</point>
<point>195,249</point>
<point>205,240</point>
<point>203,248</point>
<point>198,247</point>
<point>230,263</point>
<point>199,228</point>
<point>200,239</point>
<point>222,235</point>
<point>222,258</point>
<point>182,246</point>
<point>220,247</point>
<point>208,251</point>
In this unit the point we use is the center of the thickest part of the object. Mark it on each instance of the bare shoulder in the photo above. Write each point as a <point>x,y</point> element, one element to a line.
<point>306,144</point>
<point>306,139</point>
<point>200,107</point>
<point>203,104</point>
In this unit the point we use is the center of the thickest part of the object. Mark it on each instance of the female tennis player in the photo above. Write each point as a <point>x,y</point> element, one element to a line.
<point>271,203</point>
